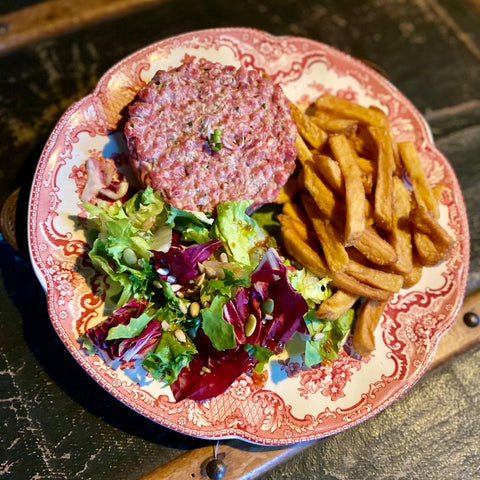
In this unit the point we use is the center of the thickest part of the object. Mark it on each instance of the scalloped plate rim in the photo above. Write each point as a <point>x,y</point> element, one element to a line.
<point>235,432</point>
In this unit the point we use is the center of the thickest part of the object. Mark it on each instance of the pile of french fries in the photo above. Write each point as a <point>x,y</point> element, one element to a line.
<point>359,210</point>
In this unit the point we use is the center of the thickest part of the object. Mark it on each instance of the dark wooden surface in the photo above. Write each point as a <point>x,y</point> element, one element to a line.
<point>57,423</point>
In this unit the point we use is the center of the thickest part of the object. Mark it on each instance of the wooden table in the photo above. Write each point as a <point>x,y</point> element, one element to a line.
<point>57,423</point>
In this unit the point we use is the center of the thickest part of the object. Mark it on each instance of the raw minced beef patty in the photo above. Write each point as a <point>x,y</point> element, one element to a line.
<point>205,133</point>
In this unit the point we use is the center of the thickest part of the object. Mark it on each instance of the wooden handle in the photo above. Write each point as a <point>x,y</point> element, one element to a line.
<point>246,461</point>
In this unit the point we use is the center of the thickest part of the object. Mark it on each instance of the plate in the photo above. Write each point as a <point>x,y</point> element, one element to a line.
<point>295,404</point>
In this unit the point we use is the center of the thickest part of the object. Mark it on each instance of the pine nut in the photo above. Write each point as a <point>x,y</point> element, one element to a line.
<point>182,307</point>
<point>180,335</point>
<point>210,272</point>
<point>163,271</point>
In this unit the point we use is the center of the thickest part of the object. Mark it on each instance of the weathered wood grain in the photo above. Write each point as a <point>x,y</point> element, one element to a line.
<point>54,17</point>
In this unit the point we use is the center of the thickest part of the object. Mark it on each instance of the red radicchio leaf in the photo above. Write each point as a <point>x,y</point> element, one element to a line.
<point>182,262</point>
<point>128,348</point>
<point>269,281</point>
<point>211,372</point>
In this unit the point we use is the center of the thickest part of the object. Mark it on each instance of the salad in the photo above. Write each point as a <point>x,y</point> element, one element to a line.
<point>201,299</point>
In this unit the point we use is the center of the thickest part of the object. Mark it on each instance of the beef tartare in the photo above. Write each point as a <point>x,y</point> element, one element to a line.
<point>205,133</point>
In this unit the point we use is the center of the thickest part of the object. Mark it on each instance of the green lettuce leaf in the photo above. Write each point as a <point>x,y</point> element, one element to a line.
<point>266,218</point>
<point>262,354</point>
<point>217,329</point>
<point>312,288</point>
<point>244,240</point>
<point>194,226</point>
<point>133,328</point>
<point>124,237</point>
<point>169,357</point>
<point>326,337</point>
<point>225,286</point>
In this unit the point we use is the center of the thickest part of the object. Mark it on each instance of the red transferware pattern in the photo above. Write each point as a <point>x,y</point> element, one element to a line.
<point>294,404</point>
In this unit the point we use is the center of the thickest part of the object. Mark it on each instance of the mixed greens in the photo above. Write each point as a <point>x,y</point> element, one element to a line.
<point>201,299</point>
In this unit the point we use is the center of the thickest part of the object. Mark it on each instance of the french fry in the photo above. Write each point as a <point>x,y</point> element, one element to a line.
<point>335,305</point>
<point>367,166</point>
<point>335,254</point>
<point>422,191</point>
<point>384,181</point>
<point>295,211</point>
<point>424,222</point>
<point>331,172</point>
<point>308,129</point>
<point>288,191</point>
<point>375,248</point>
<point>345,109</point>
<point>300,251</point>
<point>354,190</point>
<point>427,252</point>
<point>376,278</point>
<point>363,143</point>
<point>301,229</point>
<point>332,124</point>
<point>323,195</point>
<point>303,152</point>
<point>306,256</point>
<point>414,276</point>
<point>369,172</point>
<point>350,284</point>
<point>369,212</point>
<point>368,318</point>
<point>401,237</point>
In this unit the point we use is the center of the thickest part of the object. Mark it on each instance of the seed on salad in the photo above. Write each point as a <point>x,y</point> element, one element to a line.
<point>171,279</point>
<point>176,287</point>
<point>163,271</point>
<point>206,370</point>
<point>318,336</point>
<point>250,324</point>
<point>180,335</point>
<point>201,267</point>
<point>223,257</point>
<point>157,284</point>
<point>200,279</point>
<point>183,308</point>
<point>267,306</point>
<point>210,272</point>
<point>267,317</point>
<point>165,325</point>
<point>194,309</point>
<point>129,256</point>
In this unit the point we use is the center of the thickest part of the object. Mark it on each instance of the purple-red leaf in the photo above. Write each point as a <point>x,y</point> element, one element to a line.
<point>125,349</point>
<point>182,263</point>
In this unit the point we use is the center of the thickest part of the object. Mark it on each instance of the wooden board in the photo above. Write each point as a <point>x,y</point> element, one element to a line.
<point>53,17</point>
<point>245,461</point>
